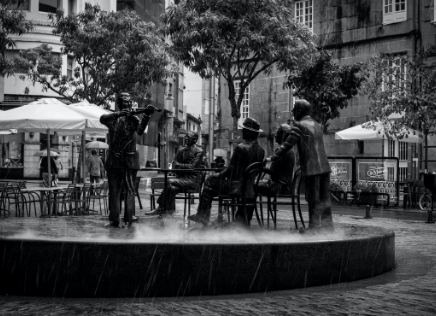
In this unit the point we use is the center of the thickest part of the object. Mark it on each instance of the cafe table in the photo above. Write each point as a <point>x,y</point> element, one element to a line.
<point>46,195</point>
<point>167,171</point>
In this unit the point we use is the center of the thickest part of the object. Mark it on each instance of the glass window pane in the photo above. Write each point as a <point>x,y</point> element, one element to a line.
<point>49,6</point>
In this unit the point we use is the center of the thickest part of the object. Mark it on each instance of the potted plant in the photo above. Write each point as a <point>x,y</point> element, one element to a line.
<point>366,193</point>
<point>337,192</point>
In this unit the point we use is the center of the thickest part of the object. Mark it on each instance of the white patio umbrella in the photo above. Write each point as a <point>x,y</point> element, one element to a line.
<point>49,115</point>
<point>7,131</point>
<point>96,144</point>
<point>359,132</point>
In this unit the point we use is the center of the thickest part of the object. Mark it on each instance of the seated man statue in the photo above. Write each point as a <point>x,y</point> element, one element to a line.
<point>188,157</point>
<point>315,167</point>
<point>282,170</point>
<point>229,179</point>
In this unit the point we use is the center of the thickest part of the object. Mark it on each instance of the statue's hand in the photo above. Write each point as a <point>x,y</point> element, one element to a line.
<point>150,109</point>
<point>273,158</point>
<point>124,112</point>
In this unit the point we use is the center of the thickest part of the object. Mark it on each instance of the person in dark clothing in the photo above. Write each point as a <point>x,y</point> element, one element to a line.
<point>122,161</point>
<point>53,170</point>
<point>229,179</point>
<point>282,170</point>
<point>188,157</point>
<point>220,162</point>
<point>315,168</point>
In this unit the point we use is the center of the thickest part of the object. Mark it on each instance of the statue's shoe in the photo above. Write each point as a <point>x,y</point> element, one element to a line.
<point>155,212</point>
<point>113,224</point>
<point>198,219</point>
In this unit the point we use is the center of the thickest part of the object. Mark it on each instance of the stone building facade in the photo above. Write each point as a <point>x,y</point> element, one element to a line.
<point>352,31</point>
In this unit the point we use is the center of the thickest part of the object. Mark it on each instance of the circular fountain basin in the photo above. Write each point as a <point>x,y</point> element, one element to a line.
<point>148,262</point>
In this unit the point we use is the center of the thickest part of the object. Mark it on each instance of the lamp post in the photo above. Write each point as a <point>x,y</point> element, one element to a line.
<point>211,116</point>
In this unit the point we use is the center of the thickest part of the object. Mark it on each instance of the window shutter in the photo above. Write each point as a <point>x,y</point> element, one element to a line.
<point>400,16</point>
<point>388,18</point>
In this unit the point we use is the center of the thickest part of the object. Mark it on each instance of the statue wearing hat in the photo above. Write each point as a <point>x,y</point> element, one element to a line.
<point>282,170</point>
<point>122,162</point>
<point>188,157</point>
<point>229,179</point>
<point>315,168</point>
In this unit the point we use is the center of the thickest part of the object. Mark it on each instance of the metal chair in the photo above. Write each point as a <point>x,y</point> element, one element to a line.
<point>244,196</point>
<point>190,195</point>
<point>292,193</point>
<point>66,196</point>
<point>3,199</point>
<point>31,197</point>
<point>13,195</point>
<point>137,182</point>
<point>98,193</point>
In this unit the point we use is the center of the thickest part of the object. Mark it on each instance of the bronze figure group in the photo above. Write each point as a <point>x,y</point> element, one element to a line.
<point>122,164</point>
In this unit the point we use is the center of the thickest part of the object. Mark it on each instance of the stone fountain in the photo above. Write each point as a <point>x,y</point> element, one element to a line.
<point>77,257</point>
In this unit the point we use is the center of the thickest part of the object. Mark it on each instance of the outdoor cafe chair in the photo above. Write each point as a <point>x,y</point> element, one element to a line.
<point>66,197</point>
<point>98,193</point>
<point>246,196</point>
<point>13,196</point>
<point>289,196</point>
<point>30,197</point>
<point>3,199</point>
<point>190,195</point>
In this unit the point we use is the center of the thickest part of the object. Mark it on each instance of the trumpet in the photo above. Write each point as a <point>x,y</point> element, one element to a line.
<point>143,110</point>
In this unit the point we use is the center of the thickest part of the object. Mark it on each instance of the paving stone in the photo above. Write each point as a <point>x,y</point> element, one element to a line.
<point>413,294</point>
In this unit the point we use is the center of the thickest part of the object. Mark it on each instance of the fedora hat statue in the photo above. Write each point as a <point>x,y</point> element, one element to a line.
<point>251,124</point>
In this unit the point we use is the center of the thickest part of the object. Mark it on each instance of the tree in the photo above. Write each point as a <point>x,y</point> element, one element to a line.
<point>402,92</point>
<point>327,86</point>
<point>114,52</point>
<point>11,22</point>
<point>237,39</point>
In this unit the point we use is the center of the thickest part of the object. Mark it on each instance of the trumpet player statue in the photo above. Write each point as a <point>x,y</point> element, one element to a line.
<point>122,162</point>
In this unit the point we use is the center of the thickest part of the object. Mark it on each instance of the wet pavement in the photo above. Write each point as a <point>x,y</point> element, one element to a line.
<point>408,290</point>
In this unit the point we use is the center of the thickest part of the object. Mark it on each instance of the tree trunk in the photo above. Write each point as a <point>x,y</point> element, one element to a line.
<point>270,138</point>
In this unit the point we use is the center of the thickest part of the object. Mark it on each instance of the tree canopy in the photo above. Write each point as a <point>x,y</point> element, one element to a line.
<point>327,86</point>
<point>237,39</point>
<point>402,91</point>
<point>113,52</point>
<point>12,22</point>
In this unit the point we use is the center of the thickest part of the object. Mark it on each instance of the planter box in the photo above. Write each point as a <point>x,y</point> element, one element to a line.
<point>367,198</point>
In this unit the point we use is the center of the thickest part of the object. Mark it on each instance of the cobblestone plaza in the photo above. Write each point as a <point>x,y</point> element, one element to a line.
<point>408,290</point>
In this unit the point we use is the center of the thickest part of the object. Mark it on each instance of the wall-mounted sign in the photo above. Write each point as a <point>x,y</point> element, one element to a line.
<point>377,171</point>
<point>340,170</point>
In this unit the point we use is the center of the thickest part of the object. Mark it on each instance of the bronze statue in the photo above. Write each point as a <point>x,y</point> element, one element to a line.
<point>122,161</point>
<point>282,170</point>
<point>229,179</point>
<point>315,168</point>
<point>188,157</point>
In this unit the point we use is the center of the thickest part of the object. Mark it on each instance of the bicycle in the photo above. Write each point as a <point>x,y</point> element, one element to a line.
<point>425,202</point>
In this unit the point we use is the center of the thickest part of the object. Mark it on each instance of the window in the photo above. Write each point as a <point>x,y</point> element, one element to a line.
<point>403,173</point>
<point>394,11</point>
<point>49,6</point>
<point>391,148</point>
<point>24,6</point>
<point>403,151</point>
<point>397,77</point>
<point>70,67</point>
<point>303,12</point>
<point>11,54</point>
<point>125,5</point>
<point>245,101</point>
